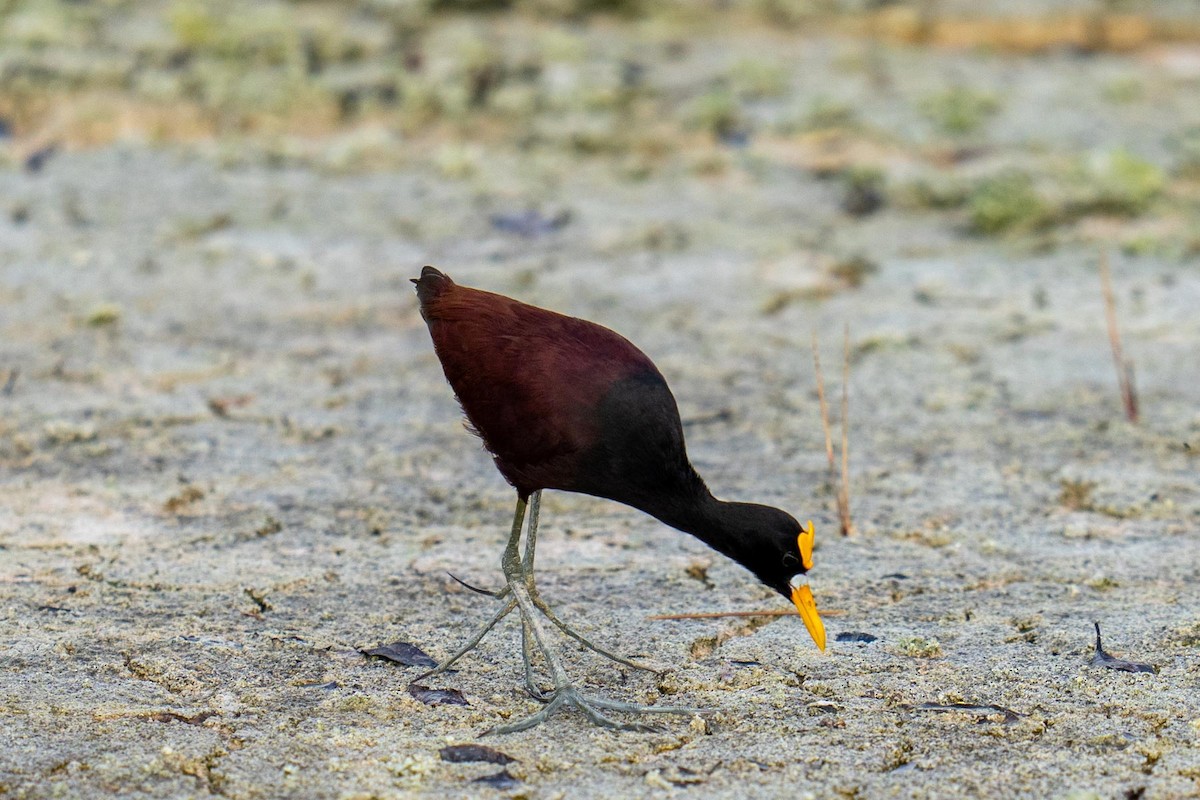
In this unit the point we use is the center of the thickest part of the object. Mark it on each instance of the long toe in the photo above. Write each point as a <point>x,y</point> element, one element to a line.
<point>532,721</point>
<point>589,708</point>
<point>634,708</point>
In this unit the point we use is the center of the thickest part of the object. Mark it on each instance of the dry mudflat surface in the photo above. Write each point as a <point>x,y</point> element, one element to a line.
<point>229,461</point>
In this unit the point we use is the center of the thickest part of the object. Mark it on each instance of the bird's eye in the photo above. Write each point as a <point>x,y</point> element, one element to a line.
<point>790,560</point>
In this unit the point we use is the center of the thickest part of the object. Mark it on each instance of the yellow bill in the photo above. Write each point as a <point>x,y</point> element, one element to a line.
<point>803,598</point>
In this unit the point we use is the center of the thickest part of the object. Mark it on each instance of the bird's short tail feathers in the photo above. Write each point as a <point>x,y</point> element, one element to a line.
<point>431,284</point>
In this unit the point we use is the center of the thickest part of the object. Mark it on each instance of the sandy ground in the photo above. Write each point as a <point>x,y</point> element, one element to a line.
<point>229,461</point>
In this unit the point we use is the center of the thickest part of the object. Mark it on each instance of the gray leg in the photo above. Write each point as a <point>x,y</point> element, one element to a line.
<point>535,512</point>
<point>513,538</point>
<point>531,686</point>
<point>535,505</point>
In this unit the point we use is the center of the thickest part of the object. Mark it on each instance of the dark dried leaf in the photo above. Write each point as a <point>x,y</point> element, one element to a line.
<point>38,158</point>
<point>530,224</point>
<point>1103,659</point>
<point>402,653</point>
<point>500,780</point>
<point>463,753</point>
<point>437,697</point>
<point>855,636</point>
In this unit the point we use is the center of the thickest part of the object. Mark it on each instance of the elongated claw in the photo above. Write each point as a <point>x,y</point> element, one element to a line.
<point>476,589</point>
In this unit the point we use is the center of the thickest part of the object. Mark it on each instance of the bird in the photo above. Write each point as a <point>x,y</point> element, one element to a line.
<point>566,404</point>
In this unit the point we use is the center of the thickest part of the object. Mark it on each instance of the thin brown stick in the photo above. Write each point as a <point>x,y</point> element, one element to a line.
<point>769,612</point>
<point>1124,366</point>
<point>824,411</point>
<point>841,486</point>
<point>843,495</point>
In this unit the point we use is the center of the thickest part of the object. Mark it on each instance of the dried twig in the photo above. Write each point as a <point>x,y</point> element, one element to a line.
<point>768,612</point>
<point>843,485</point>
<point>824,409</point>
<point>1124,365</point>
<point>989,710</point>
<point>843,496</point>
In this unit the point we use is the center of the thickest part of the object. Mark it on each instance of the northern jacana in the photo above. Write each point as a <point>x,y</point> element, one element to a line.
<point>562,403</point>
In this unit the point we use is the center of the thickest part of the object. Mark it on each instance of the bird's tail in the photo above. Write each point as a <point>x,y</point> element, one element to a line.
<point>431,284</point>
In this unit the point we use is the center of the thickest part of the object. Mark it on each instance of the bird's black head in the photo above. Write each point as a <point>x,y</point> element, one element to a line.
<point>768,542</point>
<point>779,550</point>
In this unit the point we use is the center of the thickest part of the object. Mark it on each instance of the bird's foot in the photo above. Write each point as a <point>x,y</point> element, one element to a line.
<point>592,708</point>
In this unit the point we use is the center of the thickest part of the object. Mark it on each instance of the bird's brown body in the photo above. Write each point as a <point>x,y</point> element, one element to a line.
<point>560,402</point>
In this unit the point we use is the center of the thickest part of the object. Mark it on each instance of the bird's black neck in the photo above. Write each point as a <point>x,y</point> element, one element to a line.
<point>732,529</point>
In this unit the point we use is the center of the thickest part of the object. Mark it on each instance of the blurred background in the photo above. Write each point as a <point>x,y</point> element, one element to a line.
<point>1013,117</point>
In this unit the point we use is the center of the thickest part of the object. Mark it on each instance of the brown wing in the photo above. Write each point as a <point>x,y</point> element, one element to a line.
<point>529,380</point>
